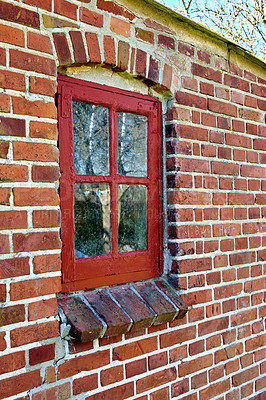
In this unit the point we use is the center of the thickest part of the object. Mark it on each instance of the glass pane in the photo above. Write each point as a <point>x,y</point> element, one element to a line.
<point>92,219</point>
<point>132,218</point>
<point>132,144</point>
<point>91,139</point>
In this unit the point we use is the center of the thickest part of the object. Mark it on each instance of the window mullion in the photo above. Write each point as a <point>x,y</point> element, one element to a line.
<point>113,172</point>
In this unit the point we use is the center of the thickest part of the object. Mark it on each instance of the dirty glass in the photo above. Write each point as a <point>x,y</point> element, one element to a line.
<point>92,219</point>
<point>91,139</point>
<point>132,218</point>
<point>132,144</point>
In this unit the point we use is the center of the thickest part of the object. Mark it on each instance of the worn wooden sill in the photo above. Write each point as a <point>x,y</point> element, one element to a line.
<point>119,309</point>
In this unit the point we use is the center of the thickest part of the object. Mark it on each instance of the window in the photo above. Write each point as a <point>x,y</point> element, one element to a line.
<point>110,187</point>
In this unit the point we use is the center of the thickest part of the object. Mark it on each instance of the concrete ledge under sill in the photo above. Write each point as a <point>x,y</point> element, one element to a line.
<point>120,309</point>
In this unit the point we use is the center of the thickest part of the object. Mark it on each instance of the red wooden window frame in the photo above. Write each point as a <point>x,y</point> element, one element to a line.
<point>112,268</point>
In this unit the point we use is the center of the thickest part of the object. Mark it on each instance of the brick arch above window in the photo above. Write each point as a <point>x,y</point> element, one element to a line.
<point>75,49</point>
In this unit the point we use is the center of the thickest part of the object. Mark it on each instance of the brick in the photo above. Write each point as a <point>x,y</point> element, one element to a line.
<point>35,197</point>
<point>36,241</point>
<point>53,22</point>
<point>136,368</point>
<point>190,132</point>
<point>92,17</point>
<point>12,127</point>
<point>119,392</point>
<point>42,309</point>
<point>224,168</point>
<point>46,218</point>
<point>144,35</point>
<point>111,375</point>
<point>41,354</point>
<point>227,291</point>
<point>34,333</point>
<point>19,15</point>
<point>214,325</point>
<point>42,130</point>
<point>123,55</point>
<point>14,267</point>
<point>236,83</point>
<point>141,62</point>
<point>135,307</point>
<point>224,123</point>
<point>222,107</point>
<point>38,42</point>
<point>116,319</point>
<point>56,392</point>
<point>66,8</point>
<point>4,103</point>
<point>45,4</point>
<point>78,46</point>
<point>190,367</point>
<point>42,86</point>
<point>85,384</point>
<point>35,152</point>
<point>34,108</point>
<point>176,337</point>
<point>93,47</point>
<point>157,360</point>
<point>12,315</point>
<point>41,173</point>
<point>32,62</point>
<point>251,115</point>
<point>4,147</point>
<point>11,35</point>
<point>186,49</point>
<point>245,376</point>
<point>109,50</point>
<point>130,350</point>
<point>87,362</point>
<point>191,100</point>
<point>156,379</point>
<point>4,244</point>
<point>215,390</point>
<point>120,27</point>
<point>62,48</point>
<point>189,83</point>
<point>166,42</point>
<point>2,56</point>
<point>236,140</point>
<point>46,263</point>
<point>206,72</point>
<point>222,93</point>
<point>162,394</point>
<point>20,383</point>
<point>2,341</point>
<point>34,288</point>
<point>13,220</point>
<point>253,171</point>
<point>13,173</point>
<point>114,8</point>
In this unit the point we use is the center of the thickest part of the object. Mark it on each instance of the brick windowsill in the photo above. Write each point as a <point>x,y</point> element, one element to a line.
<point>119,309</point>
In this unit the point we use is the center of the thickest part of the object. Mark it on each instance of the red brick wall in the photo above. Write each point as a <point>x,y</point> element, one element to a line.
<point>215,145</point>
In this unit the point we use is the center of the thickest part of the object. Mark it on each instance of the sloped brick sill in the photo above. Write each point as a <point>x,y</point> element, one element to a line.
<point>119,309</point>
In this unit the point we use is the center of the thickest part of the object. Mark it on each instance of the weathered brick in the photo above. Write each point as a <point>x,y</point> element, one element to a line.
<point>12,315</point>
<point>62,48</point>
<point>34,333</point>
<point>35,196</point>
<point>78,46</point>
<point>12,13</point>
<point>91,17</point>
<point>36,241</point>
<point>20,383</point>
<point>34,288</point>
<point>93,47</point>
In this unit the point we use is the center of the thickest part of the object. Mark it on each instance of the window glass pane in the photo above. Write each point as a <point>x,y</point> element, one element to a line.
<point>132,144</point>
<point>92,219</point>
<point>132,218</point>
<point>91,139</point>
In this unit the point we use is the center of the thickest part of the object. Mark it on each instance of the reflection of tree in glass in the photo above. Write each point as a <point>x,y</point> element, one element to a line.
<point>132,144</point>
<point>91,237</point>
<point>91,139</point>
<point>133,229</point>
